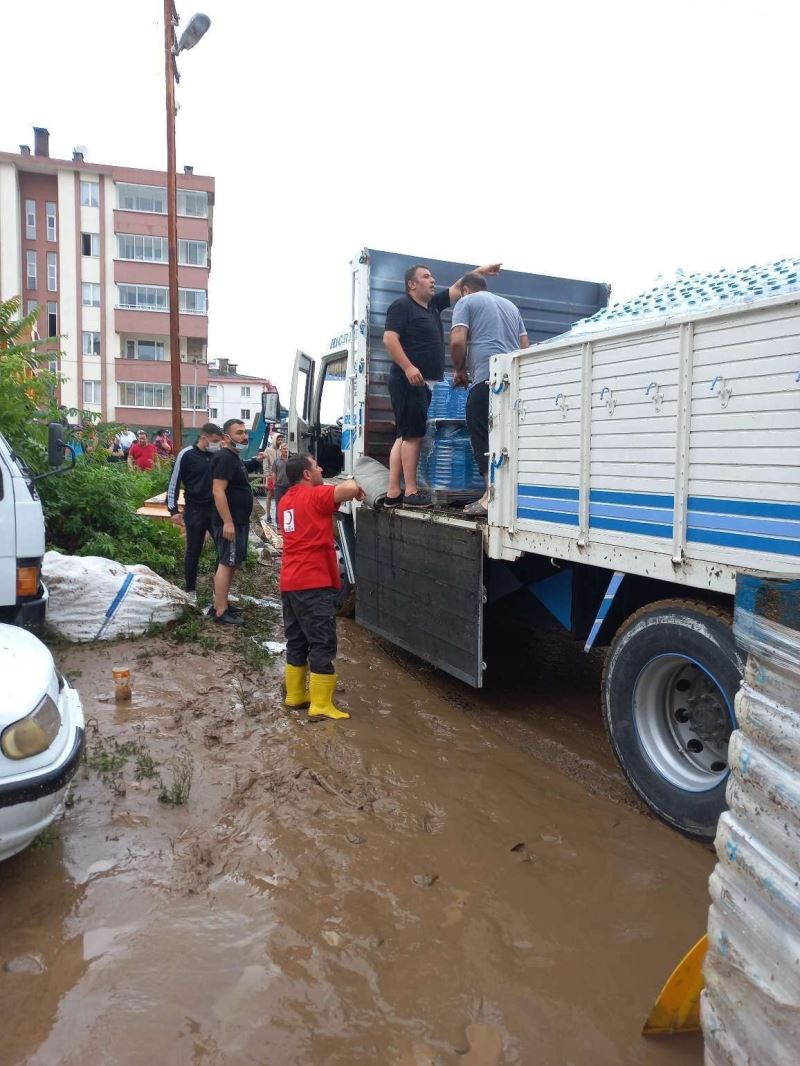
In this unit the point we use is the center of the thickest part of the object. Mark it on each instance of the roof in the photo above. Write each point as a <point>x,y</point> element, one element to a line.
<point>699,292</point>
<point>216,375</point>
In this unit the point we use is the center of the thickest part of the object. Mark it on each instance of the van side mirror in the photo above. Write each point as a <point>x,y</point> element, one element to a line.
<point>271,406</point>
<point>55,444</point>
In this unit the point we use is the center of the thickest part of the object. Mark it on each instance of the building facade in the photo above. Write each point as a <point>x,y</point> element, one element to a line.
<point>234,395</point>
<point>87,244</point>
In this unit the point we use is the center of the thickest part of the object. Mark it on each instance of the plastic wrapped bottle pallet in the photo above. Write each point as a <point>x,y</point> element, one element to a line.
<point>750,1008</point>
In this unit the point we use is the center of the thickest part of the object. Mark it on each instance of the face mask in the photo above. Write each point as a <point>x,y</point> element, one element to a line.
<point>214,447</point>
<point>242,447</point>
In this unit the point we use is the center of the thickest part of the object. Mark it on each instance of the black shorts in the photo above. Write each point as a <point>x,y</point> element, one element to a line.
<point>231,552</point>
<point>478,424</point>
<point>410,405</point>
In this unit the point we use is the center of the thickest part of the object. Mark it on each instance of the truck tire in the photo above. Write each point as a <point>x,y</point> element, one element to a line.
<point>668,691</point>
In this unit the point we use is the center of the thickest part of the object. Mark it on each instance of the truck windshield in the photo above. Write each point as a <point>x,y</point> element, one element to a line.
<point>332,394</point>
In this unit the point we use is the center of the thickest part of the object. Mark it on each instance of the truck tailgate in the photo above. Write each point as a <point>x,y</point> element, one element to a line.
<point>420,585</point>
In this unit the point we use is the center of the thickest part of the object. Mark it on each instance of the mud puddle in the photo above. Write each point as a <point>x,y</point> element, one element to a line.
<point>447,878</point>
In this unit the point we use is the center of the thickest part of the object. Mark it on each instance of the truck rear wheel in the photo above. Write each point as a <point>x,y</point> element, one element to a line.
<point>668,702</point>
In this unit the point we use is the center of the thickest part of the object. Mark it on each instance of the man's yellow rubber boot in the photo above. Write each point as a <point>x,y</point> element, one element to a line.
<point>296,678</point>
<point>322,688</point>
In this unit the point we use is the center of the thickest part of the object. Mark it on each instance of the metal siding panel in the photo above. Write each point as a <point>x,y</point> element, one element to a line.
<point>420,585</point>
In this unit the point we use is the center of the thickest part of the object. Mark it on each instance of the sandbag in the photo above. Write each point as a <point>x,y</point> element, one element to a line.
<point>92,598</point>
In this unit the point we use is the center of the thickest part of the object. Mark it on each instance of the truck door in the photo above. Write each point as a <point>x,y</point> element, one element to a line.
<point>300,431</point>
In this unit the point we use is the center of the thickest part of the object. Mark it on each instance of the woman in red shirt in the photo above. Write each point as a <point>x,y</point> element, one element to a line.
<point>309,579</point>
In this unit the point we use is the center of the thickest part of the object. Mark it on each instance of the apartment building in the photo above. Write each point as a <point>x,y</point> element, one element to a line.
<point>87,243</point>
<point>234,395</point>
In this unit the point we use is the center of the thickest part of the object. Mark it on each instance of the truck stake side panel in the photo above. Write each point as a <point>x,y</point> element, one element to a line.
<point>420,586</point>
<point>669,449</point>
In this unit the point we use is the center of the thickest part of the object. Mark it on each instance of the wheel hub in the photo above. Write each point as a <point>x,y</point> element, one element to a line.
<point>683,722</point>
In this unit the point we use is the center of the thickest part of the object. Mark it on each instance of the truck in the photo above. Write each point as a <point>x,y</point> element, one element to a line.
<point>23,596</point>
<point>641,456</point>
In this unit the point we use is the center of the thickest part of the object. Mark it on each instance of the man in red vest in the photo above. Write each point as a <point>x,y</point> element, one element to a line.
<point>309,580</point>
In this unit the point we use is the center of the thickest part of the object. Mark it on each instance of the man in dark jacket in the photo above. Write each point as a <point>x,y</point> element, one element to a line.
<point>193,470</point>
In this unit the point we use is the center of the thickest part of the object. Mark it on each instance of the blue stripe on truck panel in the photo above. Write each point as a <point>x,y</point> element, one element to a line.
<point>547,490</point>
<point>624,525</point>
<point>750,508</point>
<point>637,499</point>
<point>746,541</point>
<point>772,527</point>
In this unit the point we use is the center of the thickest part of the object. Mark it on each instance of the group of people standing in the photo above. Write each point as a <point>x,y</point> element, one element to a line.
<point>218,500</point>
<point>483,325</point>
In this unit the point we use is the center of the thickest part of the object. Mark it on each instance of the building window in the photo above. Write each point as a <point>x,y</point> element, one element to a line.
<point>91,343</point>
<point>195,349</point>
<point>32,305</point>
<point>30,220</point>
<point>52,318</point>
<point>142,249</point>
<point>52,272</point>
<point>212,389</point>
<point>245,414</point>
<point>192,301</point>
<point>30,275</point>
<point>194,204</point>
<point>90,244</point>
<point>212,413</point>
<point>90,291</point>
<point>151,199</point>
<point>245,392</point>
<point>192,253</point>
<point>52,365</point>
<point>194,397</point>
<point>143,394</point>
<point>153,351</point>
<point>90,194</point>
<point>50,210</point>
<point>143,297</point>
<point>92,392</point>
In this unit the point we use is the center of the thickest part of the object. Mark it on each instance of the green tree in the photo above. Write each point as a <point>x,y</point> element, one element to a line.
<point>27,387</point>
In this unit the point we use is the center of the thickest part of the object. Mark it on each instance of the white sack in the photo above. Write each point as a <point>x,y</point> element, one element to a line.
<point>89,599</point>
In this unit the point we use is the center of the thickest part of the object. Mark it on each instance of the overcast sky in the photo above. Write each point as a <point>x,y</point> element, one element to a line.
<point>612,142</point>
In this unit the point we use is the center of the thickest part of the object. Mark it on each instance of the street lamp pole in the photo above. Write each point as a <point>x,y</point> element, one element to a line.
<point>171,74</point>
<point>197,26</point>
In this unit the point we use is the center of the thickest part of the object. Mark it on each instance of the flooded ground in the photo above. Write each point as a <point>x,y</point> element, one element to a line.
<point>450,877</point>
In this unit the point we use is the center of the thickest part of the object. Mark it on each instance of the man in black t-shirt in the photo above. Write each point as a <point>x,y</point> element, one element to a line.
<point>230,523</point>
<point>414,338</point>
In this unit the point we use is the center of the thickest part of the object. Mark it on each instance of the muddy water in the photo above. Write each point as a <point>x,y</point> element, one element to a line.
<point>449,877</point>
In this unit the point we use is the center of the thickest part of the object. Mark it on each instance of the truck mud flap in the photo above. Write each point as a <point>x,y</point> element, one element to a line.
<point>420,585</point>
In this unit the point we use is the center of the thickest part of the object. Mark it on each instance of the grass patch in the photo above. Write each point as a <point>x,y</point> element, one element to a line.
<point>193,630</point>
<point>176,792</point>
<point>256,657</point>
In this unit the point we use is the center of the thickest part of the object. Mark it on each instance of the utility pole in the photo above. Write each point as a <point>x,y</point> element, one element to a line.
<point>171,76</point>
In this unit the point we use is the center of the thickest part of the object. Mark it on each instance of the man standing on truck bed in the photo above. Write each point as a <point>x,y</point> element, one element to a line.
<point>193,469</point>
<point>309,580</point>
<point>414,338</point>
<point>483,325</point>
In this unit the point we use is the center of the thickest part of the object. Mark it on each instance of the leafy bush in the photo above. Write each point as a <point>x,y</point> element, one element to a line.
<point>91,510</point>
<point>27,387</point>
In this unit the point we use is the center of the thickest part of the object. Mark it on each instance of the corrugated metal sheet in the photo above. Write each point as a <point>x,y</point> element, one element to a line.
<point>750,1008</point>
<point>549,306</point>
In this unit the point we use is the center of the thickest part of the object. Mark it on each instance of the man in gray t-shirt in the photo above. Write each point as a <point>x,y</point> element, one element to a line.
<point>483,325</point>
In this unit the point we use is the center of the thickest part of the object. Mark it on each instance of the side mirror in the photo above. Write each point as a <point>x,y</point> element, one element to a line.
<point>55,444</point>
<point>271,406</point>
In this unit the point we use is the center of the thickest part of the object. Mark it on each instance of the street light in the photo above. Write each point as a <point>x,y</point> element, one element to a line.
<point>197,26</point>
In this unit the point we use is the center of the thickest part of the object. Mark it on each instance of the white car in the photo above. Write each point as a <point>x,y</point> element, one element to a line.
<point>41,738</point>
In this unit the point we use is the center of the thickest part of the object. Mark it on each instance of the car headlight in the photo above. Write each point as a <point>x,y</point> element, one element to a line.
<point>32,734</point>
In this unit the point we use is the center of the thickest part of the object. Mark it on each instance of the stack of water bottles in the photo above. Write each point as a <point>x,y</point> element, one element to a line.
<point>446,462</point>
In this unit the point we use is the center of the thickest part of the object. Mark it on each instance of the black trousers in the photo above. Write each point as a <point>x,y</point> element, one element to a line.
<point>309,624</point>
<point>478,424</point>
<point>197,522</point>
